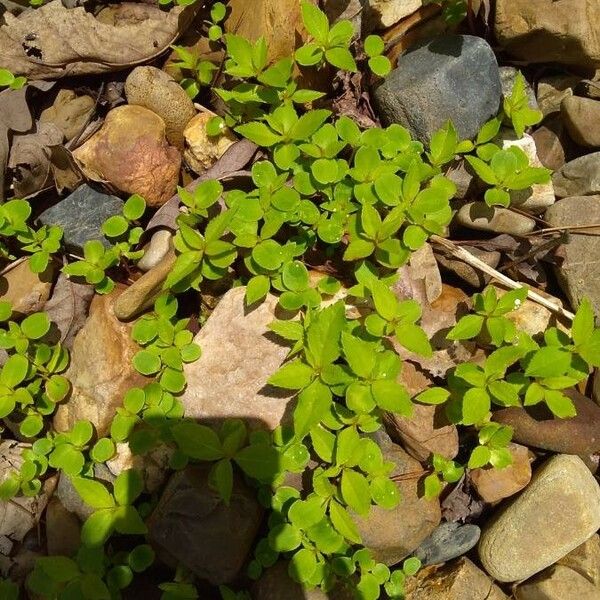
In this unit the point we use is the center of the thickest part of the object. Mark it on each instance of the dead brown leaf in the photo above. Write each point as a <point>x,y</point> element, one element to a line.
<point>67,175</point>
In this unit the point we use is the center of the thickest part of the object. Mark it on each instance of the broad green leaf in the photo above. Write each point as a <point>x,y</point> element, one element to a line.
<point>197,441</point>
<point>467,328</point>
<point>391,396</point>
<point>312,405</point>
<point>355,491</point>
<point>479,457</point>
<point>294,375</point>
<point>583,323</point>
<point>359,354</point>
<point>323,335</point>
<point>97,528</point>
<point>284,537</point>
<point>259,461</point>
<point>548,362</point>
<point>128,486</point>
<point>343,522</point>
<point>93,493</point>
<point>258,133</point>
<point>315,21</point>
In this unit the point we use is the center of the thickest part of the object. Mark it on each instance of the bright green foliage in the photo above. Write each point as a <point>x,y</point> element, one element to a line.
<point>7,79</point>
<point>454,11</point>
<point>179,591</point>
<point>516,107</point>
<point>492,449</point>
<point>122,229</point>
<point>379,64</point>
<point>444,471</point>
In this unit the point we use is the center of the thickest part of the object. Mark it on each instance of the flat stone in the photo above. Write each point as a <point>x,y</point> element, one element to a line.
<point>481,217</point>
<point>557,512</point>
<point>581,117</point>
<point>557,583</point>
<point>239,354</point>
<point>579,177</point>
<point>26,291</point>
<point>551,143</point>
<point>193,527</point>
<point>585,560</point>
<point>536,426</point>
<point>552,90</point>
<point>474,277</point>
<point>579,273</point>
<point>381,14</point>
<point>81,215</point>
<point>69,112</point>
<point>156,249</point>
<point>448,541</point>
<point>451,77</point>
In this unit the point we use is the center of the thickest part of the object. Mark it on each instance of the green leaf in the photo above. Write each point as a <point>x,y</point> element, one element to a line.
<point>284,537</point>
<point>323,336</point>
<point>141,557</point>
<point>257,289</point>
<point>559,404</point>
<point>475,407</point>
<point>374,45</point>
<point>128,486</point>
<point>268,255</point>
<point>303,565</point>
<point>93,493</point>
<point>146,362</point>
<point>548,362</point>
<point>309,123</point>
<point>467,328</point>
<point>59,568</point>
<point>103,450</point>
<point>258,133</point>
<point>81,433</point>
<point>127,520</point>
<point>385,492</point>
<point>341,58</point>
<point>295,276</point>
<point>433,486</point>
<point>115,226</point>
<point>134,208</point>
<point>343,522</point>
<point>14,370</point>
<point>221,479</point>
<point>197,441</point>
<point>483,170</point>
<point>57,388</point>
<point>413,338</point>
<point>294,375</point>
<point>316,22</point>
<point>479,457</point>
<point>391,396</point>
<point>359,354</point>
<point>306,513</point>
<point>355,491</point>
<point>260,461</point>
<point>583,323</point>
<point>312,405</point>
<point>36,326</point>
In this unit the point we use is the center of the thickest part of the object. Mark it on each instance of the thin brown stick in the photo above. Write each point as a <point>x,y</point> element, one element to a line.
<point>13,265</point>
<point>566,228</point>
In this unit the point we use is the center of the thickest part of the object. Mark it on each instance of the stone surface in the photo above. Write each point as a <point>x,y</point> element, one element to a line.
<point>202,151</point>
<point>141,295</point>
<point>62,530</point>
<point>450,77</point>
<point>448,541</point>
<point>466,272</point>
<point>159,92</point>
<point>192,526</point>
<point>69,112</point>
<point>552,90</point>
<point>101,370</point>
<point>381,14</point>
<point>458,580</point>
<point>557,583</point>
<point>548,31</point>
<point>131,152</point>
<point>557,512</point>
<point>391,535</point>
<point>70,498</point>
<point>582,119</point>
<point>81,215</point>
<point>479,216</point>
<point>494,485</point>
<point>551,143</point>
<point>535,426</point>
<point>26,291</point>
<point>155,250</point>
<point>238,356</point>
<point>579,273</point>
<point>585,560</point>
<point>579,177</point>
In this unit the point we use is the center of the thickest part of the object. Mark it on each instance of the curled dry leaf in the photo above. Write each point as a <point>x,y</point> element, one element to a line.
<point>53,41</point>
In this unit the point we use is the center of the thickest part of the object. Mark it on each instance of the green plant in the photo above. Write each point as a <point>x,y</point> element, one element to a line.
<point>7,79</point>
<point>517,109</point>
<point>444,471</point>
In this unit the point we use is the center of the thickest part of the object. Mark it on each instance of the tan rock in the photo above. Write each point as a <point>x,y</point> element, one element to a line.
<point>26,291</point>
<point>69,112</point>
<point>465,271</point>
<point>141,295</point>
<point>551,143</point>
<point>152,466</point>
<point>62,530</point>
<point>494,485</point>
<point>551,91</point>
<point>101,369</point>
<point>159,92</point>
<point>131,152</point>
<point>557,583</point>
<point>581,117</point>
<point>385,13</point>
<point>479,216</point>
<point>238,357</point>
<point>155,250</point>
<point>202,151</point>
<point>585,560</point>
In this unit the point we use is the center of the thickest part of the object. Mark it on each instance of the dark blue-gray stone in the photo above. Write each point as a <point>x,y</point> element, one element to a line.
<point>452,77</point>
<point>448,541</point>
<point>81,215</point>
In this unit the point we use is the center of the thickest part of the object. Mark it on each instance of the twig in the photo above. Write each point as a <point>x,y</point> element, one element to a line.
<point>13,265</point>
<point>566,228</point>
<point>552,305</point>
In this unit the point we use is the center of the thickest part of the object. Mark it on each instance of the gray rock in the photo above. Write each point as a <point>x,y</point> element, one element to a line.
<point>452,77</point>
<point>507,78</point>
<point>579,177</point>
<point>81,215</point>
<point>448,541</point>
<point>193,527</point>
<point>479,216</point>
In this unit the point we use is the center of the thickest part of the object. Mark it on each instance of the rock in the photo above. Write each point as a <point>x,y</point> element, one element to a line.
<point>537,198</point>
<point>448,541</point>
<point>156,250</point>
<point>193,527</point>
<point>507,78</point>
<point>581,119</point>
<point>141,295</point>
<point>537,31</point>
<point>579,177</point>
<point>535,426</point>
<point>81,215</point>
<point>159,92</point>
<point>101,369</point>
<point>557,583</point>
<point>391,535</point>
<point>557,512</point>
<point>131,153</point>
<point>479,216</point>
<point>70,498</point>
<point>588,89</point>
<point>451,77</point>
<point>550,142</point>
<point>466,272</point>
<point>579,272</point>
<point>551,91</point>
<point>62,530</point>
<point>461,175</point>
<point>238,357</point>
<point>69,112</point>
<point>26,291</point>
<point>458,580</point>
<point>585,560</point>
<point>381,14</point>
<point>152,466</point>
<point>203,151</point>
<point>494,485</point>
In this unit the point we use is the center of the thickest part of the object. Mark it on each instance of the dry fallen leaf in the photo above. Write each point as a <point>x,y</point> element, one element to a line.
<point>53,41</point>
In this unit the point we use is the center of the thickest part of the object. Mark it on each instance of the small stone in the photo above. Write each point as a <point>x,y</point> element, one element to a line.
<point>381,14</point>
<point>448,541</point>
<point>141,295</point>
<point>579,177</point>
<point>101,369</point>
<point>494,485</point>
<point>451,77</point>
<point>536,426</point>
<point>551,91</point>
<point>581,117</point>
<point>551,143</point>
<point>153,466</point>
<point>131,152</point>
<point>557,583</point>
<point>193,527</point>
<point>507,78</point>
<point>26,291</point>
<point>585,560</point>
<point>579,273</point>
<point>588,89</point>
<point>557,512</point>
<point>159,92</point>
<point>465,271</point>
<point>156,250</point>
<point>63,530</point>
<point>461,175</point>
<point>203,151</point>
<point>81,215</point>
<point>70,112</point>
<point>480,216</point>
